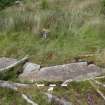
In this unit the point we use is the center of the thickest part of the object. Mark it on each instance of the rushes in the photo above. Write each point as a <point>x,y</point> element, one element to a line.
<point>73,30</point>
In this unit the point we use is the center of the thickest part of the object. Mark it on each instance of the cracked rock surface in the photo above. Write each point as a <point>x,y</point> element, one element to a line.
<point>75,71</point>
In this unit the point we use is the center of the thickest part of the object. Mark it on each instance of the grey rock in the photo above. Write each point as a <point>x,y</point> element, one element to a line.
<point>12,85</point>
<point>30,67</point>
<point>74,71</point>
<point>5,62</point>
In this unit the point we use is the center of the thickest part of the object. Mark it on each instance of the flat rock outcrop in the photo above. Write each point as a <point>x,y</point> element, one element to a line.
<point>5,62</point>
<point>31,71</point>
<point>75,71</point>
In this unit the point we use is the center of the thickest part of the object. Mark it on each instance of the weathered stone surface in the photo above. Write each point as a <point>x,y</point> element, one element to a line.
<point>5,62</point>
<point>11,85</point>
<point>30,67</point>
<point>75,71</point>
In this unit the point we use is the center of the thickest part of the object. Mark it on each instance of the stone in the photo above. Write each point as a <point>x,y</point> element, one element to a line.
<point>73,71</point>
<point>30,67</point>
<point>5,62</point>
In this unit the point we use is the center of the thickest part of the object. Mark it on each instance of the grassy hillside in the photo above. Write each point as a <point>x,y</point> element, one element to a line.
<point>76,92</point>
<point>76,28</point>
<point>9,97</point>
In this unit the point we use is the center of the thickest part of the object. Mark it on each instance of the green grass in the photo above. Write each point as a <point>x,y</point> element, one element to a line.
<point>36,95</point>
<point>77,27</point>
<point>77,93</point>
<point>102,80</point>
<point>10,97</point>
<point>72,33</point>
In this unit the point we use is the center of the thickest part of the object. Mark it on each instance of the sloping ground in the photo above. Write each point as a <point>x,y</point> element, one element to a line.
<point>10,97</point>
<point>77,93</point>
<point>80,93</point>
<point>69,95</point>
<point>74,71</point>
<point>75,27</point>
<point>73,31</point>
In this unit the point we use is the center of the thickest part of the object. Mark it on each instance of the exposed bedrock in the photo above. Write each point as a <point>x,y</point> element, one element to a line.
<point>75,71</point>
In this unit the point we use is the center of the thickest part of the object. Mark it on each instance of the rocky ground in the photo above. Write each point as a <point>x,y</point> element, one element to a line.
<point>57,83</point>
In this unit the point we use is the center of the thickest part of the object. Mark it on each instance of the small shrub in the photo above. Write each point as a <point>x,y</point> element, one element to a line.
<point>5,3</point>
<point>103,6</point>
<point>44,4</point>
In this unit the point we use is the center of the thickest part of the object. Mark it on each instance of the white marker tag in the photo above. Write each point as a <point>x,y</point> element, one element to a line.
<point>64,85</point>
<point>40,85</point>
<point>52,85</point>
<point>50,89</point>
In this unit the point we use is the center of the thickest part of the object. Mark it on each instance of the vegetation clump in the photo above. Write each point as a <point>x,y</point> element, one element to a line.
<point>6,3</point>
<point>74,30</point>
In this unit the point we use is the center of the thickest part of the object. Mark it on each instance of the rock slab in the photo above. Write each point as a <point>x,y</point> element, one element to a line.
<point>5,62</point>
<point>74,71</point>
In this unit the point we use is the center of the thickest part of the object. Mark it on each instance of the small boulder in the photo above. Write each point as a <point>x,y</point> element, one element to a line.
<point>30,67</point>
